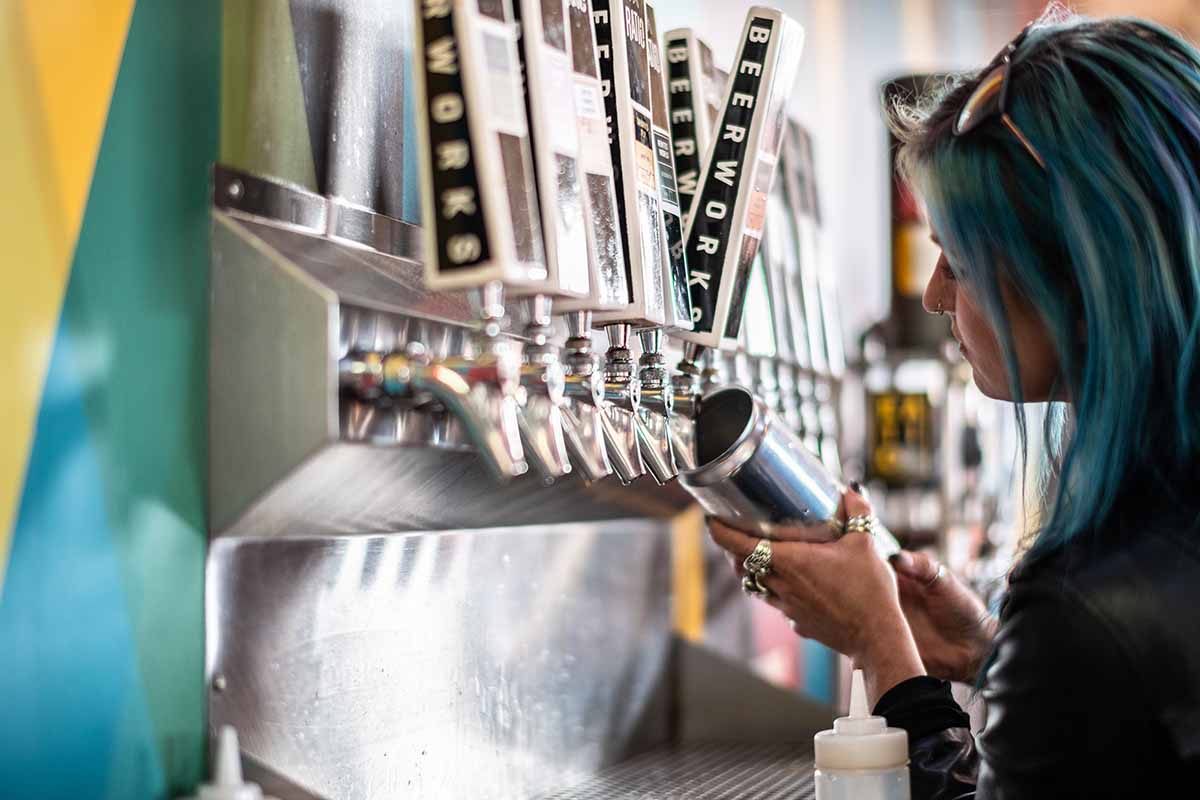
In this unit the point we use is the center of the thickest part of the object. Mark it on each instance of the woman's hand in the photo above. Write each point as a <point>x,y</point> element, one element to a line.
<point>841,594</point>
<point>952,628</point>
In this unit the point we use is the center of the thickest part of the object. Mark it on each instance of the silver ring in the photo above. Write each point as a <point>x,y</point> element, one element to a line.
<point>751,586</point>
<point>837,526</point>
<point>861,524</point>
<point>941,570</point>
<point>758,563</point>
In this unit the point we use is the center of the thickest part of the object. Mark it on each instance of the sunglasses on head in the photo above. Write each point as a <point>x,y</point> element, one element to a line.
<point>990,98</point>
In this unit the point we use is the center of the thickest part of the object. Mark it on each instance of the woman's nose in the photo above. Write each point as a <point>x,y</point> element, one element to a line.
<point>935,300</point>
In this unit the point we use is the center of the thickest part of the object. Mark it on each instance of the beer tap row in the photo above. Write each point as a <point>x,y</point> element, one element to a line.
<point>598,179</point>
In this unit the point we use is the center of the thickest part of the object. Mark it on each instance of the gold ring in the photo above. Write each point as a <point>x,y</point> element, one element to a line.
<point>860,524</point>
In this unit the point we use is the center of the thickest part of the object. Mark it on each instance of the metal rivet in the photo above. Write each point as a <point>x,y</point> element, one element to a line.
<point>219,683</point>
<point>234,189</point>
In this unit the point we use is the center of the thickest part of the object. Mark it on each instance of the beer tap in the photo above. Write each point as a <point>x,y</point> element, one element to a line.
<point>622,396</point>
<point>635,440</point>
<point>547,37</point>
<point>817,394</point>
<point>662,447</point>
<point>479,391</point>
<point>543,385</point>
<point>482,234</point>
<point>726,221</point>
<point>828,393</point>
<point>781,246</point>
<point>696,88</point>
<point>759,344</point>
<point>655,409</point>
<point>589,432</point>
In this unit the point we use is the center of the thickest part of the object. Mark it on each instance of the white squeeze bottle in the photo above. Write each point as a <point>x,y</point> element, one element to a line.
<point>861,758</point>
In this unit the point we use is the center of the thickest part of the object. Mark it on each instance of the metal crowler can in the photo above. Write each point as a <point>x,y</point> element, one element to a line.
<point>755,474</point>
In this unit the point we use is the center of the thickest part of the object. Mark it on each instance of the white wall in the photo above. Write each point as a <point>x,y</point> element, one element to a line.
<point>851,46</point>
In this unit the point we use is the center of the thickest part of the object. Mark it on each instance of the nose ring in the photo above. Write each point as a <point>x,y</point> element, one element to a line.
<point>940,311</point>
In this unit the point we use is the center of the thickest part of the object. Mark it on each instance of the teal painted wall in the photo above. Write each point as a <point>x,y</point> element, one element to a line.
<point>101,616</point>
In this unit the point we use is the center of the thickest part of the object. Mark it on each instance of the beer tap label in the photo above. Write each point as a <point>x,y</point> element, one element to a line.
<point>480,207</point>
<point>694,90</point>
<point>683,118</point>
<point>602,25</point>
<point>606,256</point>
<point>549,84</point>
<point>461,239</point>
<point>623,55</point>
<point>725,227</point>
<point>679,308</point>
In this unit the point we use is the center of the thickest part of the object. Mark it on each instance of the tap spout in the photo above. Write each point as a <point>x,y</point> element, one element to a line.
<point>685,389</point>
<point>481,392</point>
<point>480,389</point>
<point>622,396</point>
<point>543,384</point>
<point>654,410</point>
<point>584,419</point>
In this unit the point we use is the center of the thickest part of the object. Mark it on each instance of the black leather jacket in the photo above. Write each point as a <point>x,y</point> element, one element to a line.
<point>1094,690</point>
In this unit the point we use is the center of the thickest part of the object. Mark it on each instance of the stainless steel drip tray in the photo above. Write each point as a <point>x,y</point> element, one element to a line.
<point>713,771</point>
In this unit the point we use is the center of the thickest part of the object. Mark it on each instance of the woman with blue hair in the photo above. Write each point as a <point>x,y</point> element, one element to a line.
<point>1062,183</point>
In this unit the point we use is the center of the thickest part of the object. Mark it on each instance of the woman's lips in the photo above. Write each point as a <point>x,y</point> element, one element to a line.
<point>962,348</point>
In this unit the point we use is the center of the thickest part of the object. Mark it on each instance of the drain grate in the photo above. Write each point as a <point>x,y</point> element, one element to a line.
<point>705,772</point>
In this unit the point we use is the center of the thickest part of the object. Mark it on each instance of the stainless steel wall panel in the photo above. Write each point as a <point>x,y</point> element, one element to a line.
<point>485,664</point>
<point>269,339</point>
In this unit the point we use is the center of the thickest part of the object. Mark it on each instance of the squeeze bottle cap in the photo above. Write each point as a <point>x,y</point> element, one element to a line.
<point>227,772</point>
<point>860,741</point>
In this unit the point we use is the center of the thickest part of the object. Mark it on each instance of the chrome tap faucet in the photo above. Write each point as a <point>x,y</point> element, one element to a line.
<point>622,395</point>
<point>686,387</point>
<point>587,428</point>
<point>481,390</point>
<point>654,410</point>
<point>543,383</point>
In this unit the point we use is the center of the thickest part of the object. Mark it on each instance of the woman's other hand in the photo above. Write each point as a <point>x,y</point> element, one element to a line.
<point>841,594</point>
<point>950,624</point>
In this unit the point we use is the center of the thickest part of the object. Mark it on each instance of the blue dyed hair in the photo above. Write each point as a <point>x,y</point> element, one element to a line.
<point>1104,244</point>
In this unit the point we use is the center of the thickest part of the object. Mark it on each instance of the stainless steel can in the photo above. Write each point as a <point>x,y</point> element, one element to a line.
<point>756,474</point>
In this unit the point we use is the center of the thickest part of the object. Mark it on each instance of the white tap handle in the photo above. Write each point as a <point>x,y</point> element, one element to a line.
<point>549,82</point>
<point>677,307</point>
<point>729,210</point>
<point>695,90</point>
<point>621,45</point>
<point>479,208</point>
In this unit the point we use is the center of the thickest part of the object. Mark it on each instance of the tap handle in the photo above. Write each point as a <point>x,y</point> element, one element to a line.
<point>479,207</point>
<point>677,307</point>
<point>806,281</point>
<point>758,331</point>
<point>623,62</point>
<point>696,90</point>
<point>729,209</point>
<point>831,327</point>
<point>778,252</point>
<point>546,61</point>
